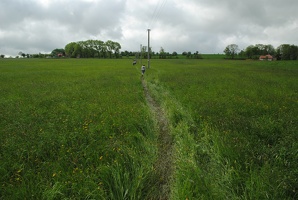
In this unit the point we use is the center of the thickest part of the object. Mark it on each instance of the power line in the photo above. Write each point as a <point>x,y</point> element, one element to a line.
<point>157,11</point>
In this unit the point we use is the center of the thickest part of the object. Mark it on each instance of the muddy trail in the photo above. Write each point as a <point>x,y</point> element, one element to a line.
<point>163,166</point>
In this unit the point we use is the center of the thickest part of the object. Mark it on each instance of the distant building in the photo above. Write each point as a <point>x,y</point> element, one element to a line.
<point>267,57</point>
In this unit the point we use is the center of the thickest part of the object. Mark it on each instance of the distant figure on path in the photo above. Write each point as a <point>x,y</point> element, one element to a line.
<point>143,69</point>
<point>134,62</point>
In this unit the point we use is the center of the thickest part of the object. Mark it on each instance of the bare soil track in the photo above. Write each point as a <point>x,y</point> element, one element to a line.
<point>163,166</point>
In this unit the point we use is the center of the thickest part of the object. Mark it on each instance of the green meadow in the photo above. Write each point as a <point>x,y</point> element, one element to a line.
<point>74,129</point>
<point>82,129</point>
<point>235,127</point>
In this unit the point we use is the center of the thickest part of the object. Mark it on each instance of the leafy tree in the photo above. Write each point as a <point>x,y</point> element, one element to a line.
<point>69,49</point>
<point>294,52</point>
<point>126,53</point>
<point>231,50</point>
<point>117,48</point>
<point>287,52</point>
<point>260,48</point>
<point>188,55</point>
<point>92,49</point>
<point>99,47</point>
<point>255,51</point>
<point>2,56</point>
<point>113,48</point>
<point>55,52</point>
<point>77,51</point>
<point>269,49</point>
<point>41,55</point>
<point>143,52</point>
<point>197,55</point>
<point>162,53</point>
<point>284,51</point>
<point>22,54</point>
<point>251,51</point>
<point>242,54</point>
<point>86,49</point>
<point>152,53</point>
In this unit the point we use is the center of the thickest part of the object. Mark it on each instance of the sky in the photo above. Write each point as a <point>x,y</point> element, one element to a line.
<point>206,26</point>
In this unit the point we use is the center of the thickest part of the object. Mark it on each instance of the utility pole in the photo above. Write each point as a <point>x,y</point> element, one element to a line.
<point>148,48</point>
<point>141,53</point>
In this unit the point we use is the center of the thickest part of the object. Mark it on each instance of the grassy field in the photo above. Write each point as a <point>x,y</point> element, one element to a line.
<point>82,129</point>
<point>74,129</point>
<point>235,127</point>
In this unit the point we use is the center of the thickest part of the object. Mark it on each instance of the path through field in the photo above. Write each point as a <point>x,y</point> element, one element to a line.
<point>163,165</point>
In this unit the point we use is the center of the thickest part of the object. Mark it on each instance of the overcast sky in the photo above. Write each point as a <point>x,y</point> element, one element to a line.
<point>207,26</point>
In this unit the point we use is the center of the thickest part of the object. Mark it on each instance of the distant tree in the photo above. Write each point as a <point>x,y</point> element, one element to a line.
<point>184,53</point>
<point>22,54</point>
<point>249,51</point>
<point>69,49</point>
<point>260,49</point>
<point>41,55</point>
<point>2,56</point>
<point>231,50</point>
<point>56,52</point>
<point>242,54</point>
<point>113,48</point>
<point>125,53</point>
<point>152,52</point>
<point>294,52</point>
<point>78,51</point>
<point>93,48</point>
<point>188,55</point>
<point>117,48</point>
<point>99,46</point>
<point>255,51</point>
<point>269,49</point>
<point>109,45</point>
<point>85,49</point>
<point>143,52</point>
<point>197,55</point>
<point>132,53</point>
<point>162,53</point>
<point>287,52</point>
<point>175,54</point>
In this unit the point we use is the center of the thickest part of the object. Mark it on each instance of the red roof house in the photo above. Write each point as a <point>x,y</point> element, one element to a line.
<point>267,57</point>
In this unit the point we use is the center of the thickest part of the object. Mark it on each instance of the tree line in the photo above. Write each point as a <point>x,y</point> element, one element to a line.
<point>282,52</point>
<point>91,49</point>
<point>81,49</point>
<point>111,49</point>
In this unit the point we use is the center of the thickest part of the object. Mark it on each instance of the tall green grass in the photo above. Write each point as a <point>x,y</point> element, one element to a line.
<point>81,129</point>
<point>235,127</point>
<point>74,129</point>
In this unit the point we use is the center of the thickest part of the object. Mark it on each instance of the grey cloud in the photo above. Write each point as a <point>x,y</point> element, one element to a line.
<point>30,25</point>
<point>188,25</point>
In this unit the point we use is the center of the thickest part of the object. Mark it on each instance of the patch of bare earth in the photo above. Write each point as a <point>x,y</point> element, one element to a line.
<point>163,166</point>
